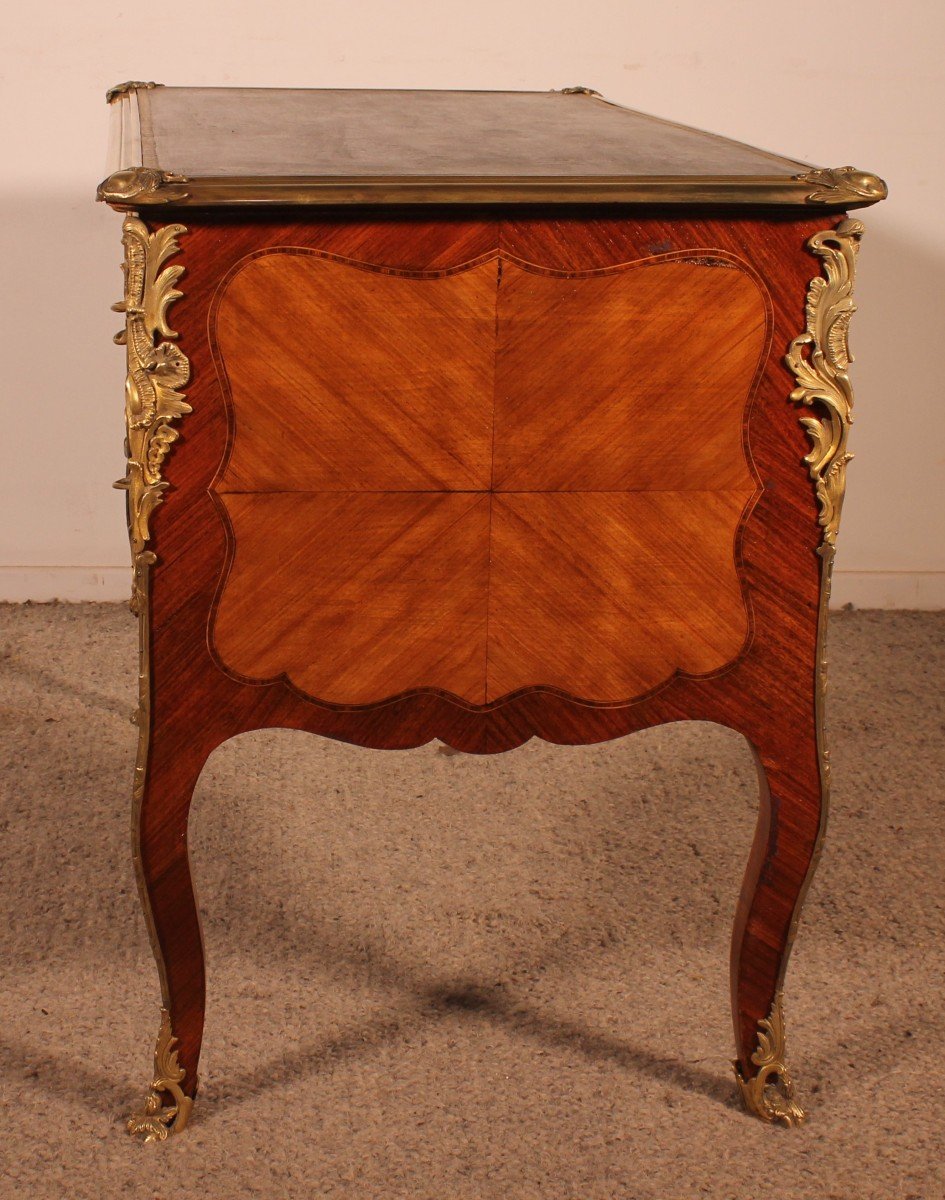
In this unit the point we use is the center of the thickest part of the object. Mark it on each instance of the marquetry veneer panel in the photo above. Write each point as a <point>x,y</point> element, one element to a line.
<point>347,592</point>
<point>487,478</point>
<point>634,377</point>
<point>605,594</point>
<point>346,378</point>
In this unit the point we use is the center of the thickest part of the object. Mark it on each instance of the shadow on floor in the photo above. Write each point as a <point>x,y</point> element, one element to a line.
<point>480,1004</point>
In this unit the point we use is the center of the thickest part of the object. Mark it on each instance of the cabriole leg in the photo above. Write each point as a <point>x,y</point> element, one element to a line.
<point>170,759</point>
<point>169,756</point>
<point>167,895</point>
<point>793,762</point>
<point>783,857</point>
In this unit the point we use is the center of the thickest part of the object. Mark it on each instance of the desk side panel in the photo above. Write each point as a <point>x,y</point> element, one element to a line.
<point>779,567</point>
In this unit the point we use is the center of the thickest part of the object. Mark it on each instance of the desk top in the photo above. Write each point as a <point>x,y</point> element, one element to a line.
<point>237,146</point>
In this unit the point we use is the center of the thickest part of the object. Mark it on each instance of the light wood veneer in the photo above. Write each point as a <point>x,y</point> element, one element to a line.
<point>488,478</point>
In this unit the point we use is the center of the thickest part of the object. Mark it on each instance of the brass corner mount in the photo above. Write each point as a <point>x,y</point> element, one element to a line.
<point>132,85</point>
<point>157,1120</point>
<point>843,185</point>
<point>141,185</point>
<point>157,370</point>
<point>769,1093</point>
<point>819,359</point>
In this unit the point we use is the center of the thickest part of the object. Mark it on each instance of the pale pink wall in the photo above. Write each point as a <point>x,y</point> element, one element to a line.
<point>861,84</point>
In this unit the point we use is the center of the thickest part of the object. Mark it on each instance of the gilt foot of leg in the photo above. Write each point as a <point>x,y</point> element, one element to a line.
<point>167,1107</point>
<point>769,1092</point>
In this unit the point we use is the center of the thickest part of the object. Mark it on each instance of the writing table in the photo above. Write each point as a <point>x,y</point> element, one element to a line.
<point>478,417</point>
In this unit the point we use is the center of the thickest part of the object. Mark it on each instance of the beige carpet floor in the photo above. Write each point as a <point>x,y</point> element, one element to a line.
<point>445,978</point>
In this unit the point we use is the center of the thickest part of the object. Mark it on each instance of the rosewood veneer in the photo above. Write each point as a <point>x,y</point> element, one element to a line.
<point>478,417</point>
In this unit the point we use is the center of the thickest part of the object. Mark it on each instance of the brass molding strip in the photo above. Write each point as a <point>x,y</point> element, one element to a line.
<point>819,359</point>
<point>769,1094</point>
<point>156,1119</point>
<point>157,370</point>
<point>138,187</point>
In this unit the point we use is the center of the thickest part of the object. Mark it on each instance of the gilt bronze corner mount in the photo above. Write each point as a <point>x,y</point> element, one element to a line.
<point>157,369</point>
<point>131,85</point>
<point>843,186</point>
<point>136,185</point>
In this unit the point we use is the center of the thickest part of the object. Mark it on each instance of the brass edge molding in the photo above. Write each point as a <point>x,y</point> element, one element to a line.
<point>156,371</point>
<point>137,187</point>
<point>141,185</point>
<point>132,85</point>
<point>843,185</point>
<point>769,1094</point>
<point>819,358</point>
<point>156,1119</point>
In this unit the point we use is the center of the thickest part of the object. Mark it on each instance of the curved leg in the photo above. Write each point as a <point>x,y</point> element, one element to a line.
<point>169,762</point>
<point>783,858</point>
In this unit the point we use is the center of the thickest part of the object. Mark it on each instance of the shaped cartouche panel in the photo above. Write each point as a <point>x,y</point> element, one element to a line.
<point>605,595</point>
<point>359,596</point>
<point>345,377</point>
<point>495,477</point>
<point>634,377</point>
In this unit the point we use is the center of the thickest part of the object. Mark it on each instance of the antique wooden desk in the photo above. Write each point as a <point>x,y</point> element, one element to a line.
<point>479,417</point>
